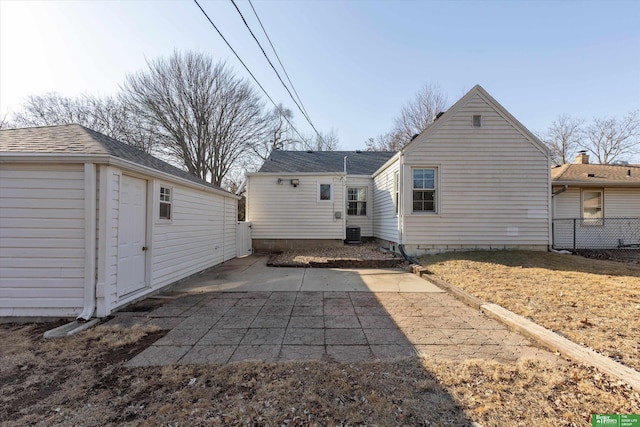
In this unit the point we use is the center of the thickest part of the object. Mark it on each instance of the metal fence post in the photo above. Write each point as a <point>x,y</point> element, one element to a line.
<point>574,234</point>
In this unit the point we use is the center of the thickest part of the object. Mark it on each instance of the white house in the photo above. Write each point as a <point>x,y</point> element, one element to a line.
<point>596,206</point>
<point>476,178</point>
<point>302,198</point>
<point>88,224</point>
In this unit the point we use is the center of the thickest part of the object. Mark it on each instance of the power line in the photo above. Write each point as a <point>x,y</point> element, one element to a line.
<point>278,57</point>
<point>248,71</point>
<point>306,116</point>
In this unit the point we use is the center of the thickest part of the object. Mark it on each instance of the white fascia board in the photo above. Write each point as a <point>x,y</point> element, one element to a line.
<point>386,164</point>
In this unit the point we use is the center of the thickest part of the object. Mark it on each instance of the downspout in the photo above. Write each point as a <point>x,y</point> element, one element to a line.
<point>553,205</point>
<point>89,242</point>
<point>344,201</point>
<point>401,210</point>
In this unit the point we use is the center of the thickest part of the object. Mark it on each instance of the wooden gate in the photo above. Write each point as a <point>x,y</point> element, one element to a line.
<point>243,238</point>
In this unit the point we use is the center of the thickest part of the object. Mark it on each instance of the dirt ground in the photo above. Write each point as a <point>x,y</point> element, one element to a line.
<point>592,302</point>
<point>81,381</point>
<point>363,251</point>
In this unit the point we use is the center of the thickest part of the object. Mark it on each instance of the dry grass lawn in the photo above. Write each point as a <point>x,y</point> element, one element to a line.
<point>592,302</point>
<point>81,381</point>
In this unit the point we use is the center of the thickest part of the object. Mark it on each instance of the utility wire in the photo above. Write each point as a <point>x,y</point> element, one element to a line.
<point>249,71</point>
<point>276,71</point>
<point>278,58</point>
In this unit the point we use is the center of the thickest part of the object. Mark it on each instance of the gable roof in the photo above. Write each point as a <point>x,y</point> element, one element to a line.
<point>603,175</point>
<point>358,162</point>
<point>76,139</point>
<point>476,90</point>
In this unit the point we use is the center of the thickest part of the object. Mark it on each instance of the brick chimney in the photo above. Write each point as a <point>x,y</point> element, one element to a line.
<point>582,158</point>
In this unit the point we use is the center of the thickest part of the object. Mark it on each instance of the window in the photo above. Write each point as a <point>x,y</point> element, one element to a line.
<point>424,190</point>
<point>325,192</point>
<point>592,208</point>
<point>165,203</point>
<point>396,190</point>
<point>357,201</point>
<point>477,121</point>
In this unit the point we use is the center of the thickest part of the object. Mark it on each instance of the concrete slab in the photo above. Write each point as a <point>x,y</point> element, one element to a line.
<point>244,310</point>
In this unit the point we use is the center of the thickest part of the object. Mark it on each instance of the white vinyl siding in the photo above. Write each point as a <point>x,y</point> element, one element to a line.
<point>617,203</point>
<point>195,238</point>
<point>385,218</point>
<point>364,222</point>
<point>282,211</point>
<point>622,202</point>
<point>42,246</point>
<point>494,184</point>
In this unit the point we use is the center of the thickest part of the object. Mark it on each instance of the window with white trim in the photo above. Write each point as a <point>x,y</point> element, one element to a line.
<point>325,192</point>
<point>357,201</point>
<point>592,207</point>
<point>424,190</point>
<point>165,202</point>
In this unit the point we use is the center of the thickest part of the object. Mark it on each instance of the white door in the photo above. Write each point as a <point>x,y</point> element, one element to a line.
<point>132,232</point>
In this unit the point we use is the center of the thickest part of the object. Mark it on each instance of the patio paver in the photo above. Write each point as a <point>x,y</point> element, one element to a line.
<point>240,318</point>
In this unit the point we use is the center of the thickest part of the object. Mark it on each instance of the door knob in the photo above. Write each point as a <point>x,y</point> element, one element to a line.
<point>144,248</point>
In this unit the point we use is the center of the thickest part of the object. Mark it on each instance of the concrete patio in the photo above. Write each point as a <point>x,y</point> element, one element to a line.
<point>243,310</point>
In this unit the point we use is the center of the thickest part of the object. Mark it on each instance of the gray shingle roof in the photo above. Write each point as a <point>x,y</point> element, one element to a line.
<point>77,139</point>
<point>358,163</point>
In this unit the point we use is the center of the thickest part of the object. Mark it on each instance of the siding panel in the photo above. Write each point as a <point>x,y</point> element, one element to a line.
<point>281,211</point>
<point>41,240</point>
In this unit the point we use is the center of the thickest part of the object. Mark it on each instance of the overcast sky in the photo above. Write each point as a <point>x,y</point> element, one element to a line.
<point>353,63</point>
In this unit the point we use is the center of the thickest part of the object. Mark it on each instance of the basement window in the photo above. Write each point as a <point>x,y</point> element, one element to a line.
<point>477,121</point>
<point>165,202</point>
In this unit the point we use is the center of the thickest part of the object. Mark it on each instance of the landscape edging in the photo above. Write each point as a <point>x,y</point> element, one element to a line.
<point>541,335</point>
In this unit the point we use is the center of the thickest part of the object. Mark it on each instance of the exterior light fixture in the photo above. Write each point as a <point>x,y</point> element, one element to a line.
<point>295,182</point>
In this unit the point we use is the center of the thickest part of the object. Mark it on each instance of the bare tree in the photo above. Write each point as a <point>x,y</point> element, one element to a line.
<point>5,122</point>
<point>208,119</point>
<point>322,141</point>
<point>419,113</point>
<point>563,138</point>
<point>105,115</point>
<point>384,142</point>
<point>611,139</point>
<point>279,135</point>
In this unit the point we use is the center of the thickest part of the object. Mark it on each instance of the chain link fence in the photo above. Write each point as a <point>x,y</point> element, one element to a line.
<point>576,234</point>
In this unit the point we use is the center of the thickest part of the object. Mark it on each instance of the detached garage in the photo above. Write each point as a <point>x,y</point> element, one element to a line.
<point>89,224</point>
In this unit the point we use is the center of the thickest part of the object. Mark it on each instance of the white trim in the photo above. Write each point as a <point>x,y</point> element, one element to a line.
<point>366,200</point>
<point>158,196</point>
<point>106,188</point>
<point>320,183</point>
<point>436,190</point>
<point>89,241</point>
<point>298,173</point>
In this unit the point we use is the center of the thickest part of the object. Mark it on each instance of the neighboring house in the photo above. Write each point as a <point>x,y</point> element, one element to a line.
<point>596,206</point>
<point>88,224</point>
<point>474,179</point>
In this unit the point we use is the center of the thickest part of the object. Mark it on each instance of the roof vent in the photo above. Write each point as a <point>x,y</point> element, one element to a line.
<point>628,173</point>
<point>358,151</point>
<point>414,136</point>
<point>591,175</point>
<point>439,115</point>
<point>309,151</point>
